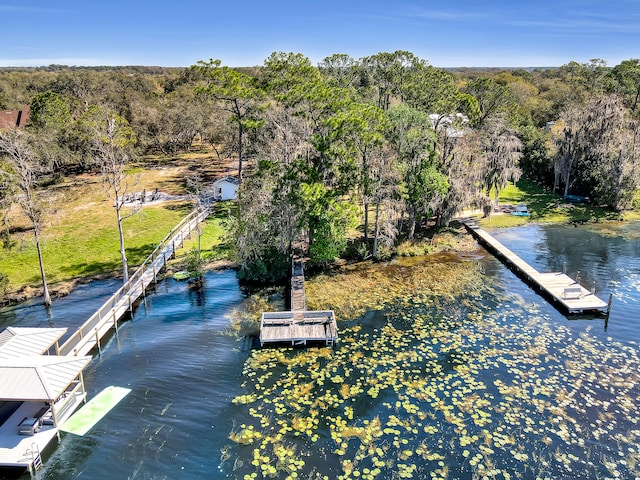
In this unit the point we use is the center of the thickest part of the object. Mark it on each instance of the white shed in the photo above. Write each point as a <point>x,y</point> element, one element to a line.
<point>226,188</point>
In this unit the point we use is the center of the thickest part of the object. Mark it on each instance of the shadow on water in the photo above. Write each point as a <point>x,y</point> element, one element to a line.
<point>197,292</point>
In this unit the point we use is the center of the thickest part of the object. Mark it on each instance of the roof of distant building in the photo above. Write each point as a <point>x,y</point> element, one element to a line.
<point>14,118</point>
<point>228,179</point>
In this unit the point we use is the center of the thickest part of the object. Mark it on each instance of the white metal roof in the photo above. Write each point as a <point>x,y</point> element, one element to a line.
<point>18,342</point>
<point>228,179</point>
<point>38,378</point>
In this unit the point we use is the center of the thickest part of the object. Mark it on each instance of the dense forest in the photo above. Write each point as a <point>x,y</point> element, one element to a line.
<point>383,143</point>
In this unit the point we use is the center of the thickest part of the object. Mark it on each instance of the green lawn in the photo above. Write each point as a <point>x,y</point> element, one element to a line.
<point>547,207</point>
<point>215,242</point>
<point>87,244</point>
<point>80,236</point>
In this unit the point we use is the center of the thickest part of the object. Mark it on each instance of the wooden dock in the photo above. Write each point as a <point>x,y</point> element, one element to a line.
<point>298,297</point>
<point>563,291</point>
<point>298,326</point>
<point>88,336</point>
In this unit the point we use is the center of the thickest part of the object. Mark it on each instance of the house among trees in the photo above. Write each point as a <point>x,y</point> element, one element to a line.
<point>454,124</point>
<point>14,118</point>
<point>226,188</point>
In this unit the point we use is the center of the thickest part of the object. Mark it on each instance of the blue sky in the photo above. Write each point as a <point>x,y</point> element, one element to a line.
<point>448,33</point>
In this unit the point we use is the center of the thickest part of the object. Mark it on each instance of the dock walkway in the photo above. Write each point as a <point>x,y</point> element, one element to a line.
<point>298,326</point>
<point>561,289</point>
<point>298,300</point>
<point>88,336</point>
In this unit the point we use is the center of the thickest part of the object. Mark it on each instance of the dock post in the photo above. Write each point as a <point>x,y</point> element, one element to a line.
<point>564,268</point>
<point>609,303</point>
<point>98,342</point>
<point>578,277</point>
<point>593,289</point>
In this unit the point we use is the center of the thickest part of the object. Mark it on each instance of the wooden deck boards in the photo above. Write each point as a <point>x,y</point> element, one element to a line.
<point>554,284</point>
<point>298,328</point>
<point>298,299</point>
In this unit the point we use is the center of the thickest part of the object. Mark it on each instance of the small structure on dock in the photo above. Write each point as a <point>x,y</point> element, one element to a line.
<point>298,326</point>
<point>38,392</point>
<point>565,292</point>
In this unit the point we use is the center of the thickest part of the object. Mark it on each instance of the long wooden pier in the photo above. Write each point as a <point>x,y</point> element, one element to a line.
<point>88,336</point>
<point>298,326</point>
<point>565,292</point>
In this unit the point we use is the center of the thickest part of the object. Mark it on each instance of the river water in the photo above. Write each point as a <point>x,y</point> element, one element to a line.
<point>495,383</point>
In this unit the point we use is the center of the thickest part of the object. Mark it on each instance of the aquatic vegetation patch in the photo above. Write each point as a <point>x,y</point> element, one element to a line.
<point>434,385</point>
<point>629,231</point>
<point>365,286</point>
<point>246,319</point>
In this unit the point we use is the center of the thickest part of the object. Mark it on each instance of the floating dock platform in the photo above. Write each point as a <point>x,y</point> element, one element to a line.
<point>298,328</point>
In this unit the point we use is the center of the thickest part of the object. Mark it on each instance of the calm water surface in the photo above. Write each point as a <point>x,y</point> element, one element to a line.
<point>604,254</point>
<point>497,384</point>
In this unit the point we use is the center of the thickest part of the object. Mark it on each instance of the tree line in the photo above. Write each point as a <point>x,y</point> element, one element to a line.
<point>382,143</point>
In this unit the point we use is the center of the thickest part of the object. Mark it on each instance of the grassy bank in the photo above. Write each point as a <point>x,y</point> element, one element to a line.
<point>547,207</point>
<point>215,243</point>
<point>87,244</point>
<point>80,237</point>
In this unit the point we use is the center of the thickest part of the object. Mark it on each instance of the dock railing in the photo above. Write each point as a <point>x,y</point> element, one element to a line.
<point>88,336</point>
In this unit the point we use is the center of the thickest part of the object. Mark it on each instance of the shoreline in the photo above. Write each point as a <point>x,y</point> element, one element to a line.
<point>65,287</point>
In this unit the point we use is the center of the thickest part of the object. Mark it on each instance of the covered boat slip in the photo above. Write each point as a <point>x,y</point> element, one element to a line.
<point>16,342</point>
<point>298,328</point>
<point>37,393</point>
<point>19,447</point>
